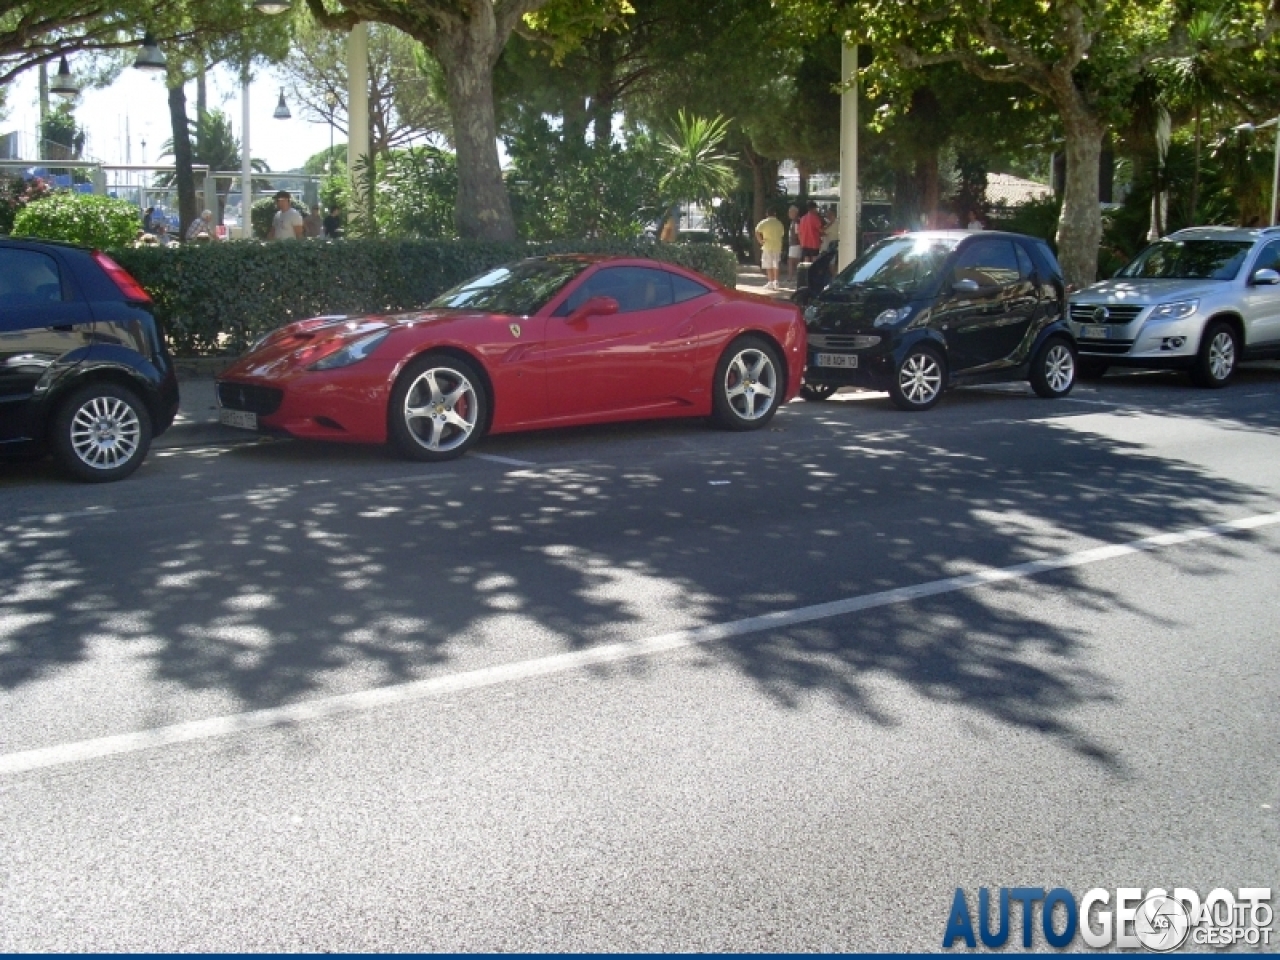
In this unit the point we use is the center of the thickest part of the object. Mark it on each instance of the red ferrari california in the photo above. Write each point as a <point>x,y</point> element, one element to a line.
<point>549,342</point>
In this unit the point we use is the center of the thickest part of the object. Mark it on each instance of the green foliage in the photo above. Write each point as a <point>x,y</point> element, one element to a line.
<point>218,298</point>
<point>62,136</point>
<point>16,193</point>
<point>697,170</point>
<point>565,188</point>
<point>1035,218</point>
<point>416,192</point>
<point>85,218</point>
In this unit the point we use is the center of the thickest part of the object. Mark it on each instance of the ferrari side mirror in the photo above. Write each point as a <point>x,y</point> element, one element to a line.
<point>595,307</point>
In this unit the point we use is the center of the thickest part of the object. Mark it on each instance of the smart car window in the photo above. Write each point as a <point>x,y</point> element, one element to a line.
<point>519,289</point>
<point>991,263</point>
<point>1025,267</point>
<point>682,288</point>
<point>1189,260</point>
<point>903,263</point>
<point>635,288</point>
<point>28,278</point>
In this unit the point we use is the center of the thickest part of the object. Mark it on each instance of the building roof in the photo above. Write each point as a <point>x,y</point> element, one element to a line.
<point>1004,189</point>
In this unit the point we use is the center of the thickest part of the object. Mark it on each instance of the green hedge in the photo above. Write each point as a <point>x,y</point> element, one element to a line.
<point>217,298</point>
<point>84,218</point>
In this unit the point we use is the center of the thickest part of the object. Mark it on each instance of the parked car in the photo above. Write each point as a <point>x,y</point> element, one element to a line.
<point>920,312</point>
<point>84,370</point>
<point>1201,299</point>
<point>547,342</point>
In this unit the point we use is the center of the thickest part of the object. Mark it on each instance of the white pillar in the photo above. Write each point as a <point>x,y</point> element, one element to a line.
<point>357,104</point>
<point>848,154</point>
<point>246,161</point>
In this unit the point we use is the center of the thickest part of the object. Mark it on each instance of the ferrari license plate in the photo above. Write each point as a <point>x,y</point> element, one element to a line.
<point>238,418</point>
<point>847,360</point>
<point>1095,331</point>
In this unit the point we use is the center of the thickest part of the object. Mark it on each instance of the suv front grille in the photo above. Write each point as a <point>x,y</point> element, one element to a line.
<point>838,341</point>
<point>1116,313</point>
<point>1109,347</point>
<point>263,401</point>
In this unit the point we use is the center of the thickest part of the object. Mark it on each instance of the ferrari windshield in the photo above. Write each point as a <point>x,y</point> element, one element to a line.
<point>518,289</point>
<point>1189,260</point>
<point>903,263</point>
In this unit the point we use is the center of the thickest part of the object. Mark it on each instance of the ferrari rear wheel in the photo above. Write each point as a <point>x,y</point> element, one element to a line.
<point>748,384</point>
<point>438,408</point>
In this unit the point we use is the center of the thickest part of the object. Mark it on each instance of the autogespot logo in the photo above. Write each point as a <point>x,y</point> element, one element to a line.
<point>1155,919</point>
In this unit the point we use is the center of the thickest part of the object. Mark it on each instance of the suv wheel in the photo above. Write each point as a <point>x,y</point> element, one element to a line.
<point>1053,371</point>
<point>1216,361</point>
<point>101,432</point>
<point>918,381</point>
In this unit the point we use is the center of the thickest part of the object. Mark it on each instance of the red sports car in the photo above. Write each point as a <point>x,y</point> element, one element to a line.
<point>548,342</point>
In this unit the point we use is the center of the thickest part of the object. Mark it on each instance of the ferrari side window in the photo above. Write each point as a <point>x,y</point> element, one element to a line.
<point>684,289</point>
<point>635,288</point>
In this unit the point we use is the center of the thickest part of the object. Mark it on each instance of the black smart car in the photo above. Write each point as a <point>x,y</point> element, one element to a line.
<point>84,370</point>
<point>920,312</point>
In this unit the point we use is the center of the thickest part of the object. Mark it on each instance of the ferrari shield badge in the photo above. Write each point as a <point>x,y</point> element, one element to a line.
<point>515,330</point>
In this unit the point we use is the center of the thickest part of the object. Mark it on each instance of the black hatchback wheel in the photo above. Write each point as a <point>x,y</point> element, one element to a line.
<point>917,383</point>
<point>1053,371</point>
<point>101,432</point>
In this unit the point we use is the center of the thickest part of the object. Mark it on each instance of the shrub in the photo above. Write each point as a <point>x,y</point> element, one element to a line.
<point>16,193</point>
<point>85,218</point>
<point>219,297</point>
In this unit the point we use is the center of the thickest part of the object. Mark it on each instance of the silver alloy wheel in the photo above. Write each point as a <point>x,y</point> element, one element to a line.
<point>105,432</point>
<point>751,383</point>
<point>1222,355</point>
<point>1059,368</point>
<point>920,378</point>
<point>440,409</point>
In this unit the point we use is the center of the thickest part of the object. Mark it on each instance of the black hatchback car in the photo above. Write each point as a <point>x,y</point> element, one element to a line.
<point>84,370</point>
<point>921,312</point>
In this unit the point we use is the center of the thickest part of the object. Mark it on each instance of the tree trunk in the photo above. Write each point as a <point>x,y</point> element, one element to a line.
<point>802,171</point>
<point>573,130</point>
<point>602,101</point>
<point>202,112</point>
<point>1080,224</point>
<point>929,180</point>
<point>182,157</point>
<point>467,54</point>
<point>758,187</point>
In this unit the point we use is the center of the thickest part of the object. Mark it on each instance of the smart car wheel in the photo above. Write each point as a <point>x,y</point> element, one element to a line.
<point>101,432</point>
<point>1053,371</point>
<point>1216,361</point>
<point>748,384</point>
<point>817,392</point>
<point>918,381</point>
<point>438,408</point>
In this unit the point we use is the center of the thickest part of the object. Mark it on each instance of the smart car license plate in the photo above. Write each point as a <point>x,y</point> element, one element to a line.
<point>238,418</point>
<point>847,360</point>
<point>1094,331</point>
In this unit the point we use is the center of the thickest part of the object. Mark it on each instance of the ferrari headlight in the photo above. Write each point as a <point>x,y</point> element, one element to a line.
<point>889,317</point>
<point>352,352</point>
<point>1175,311</point>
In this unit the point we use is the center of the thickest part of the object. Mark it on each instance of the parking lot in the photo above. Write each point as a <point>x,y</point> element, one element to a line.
<point>649,686</point>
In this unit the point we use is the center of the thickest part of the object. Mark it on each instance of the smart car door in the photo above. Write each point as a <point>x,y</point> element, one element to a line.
<point>43,326</point>
<point>993,307</point>
<point>639,359</point>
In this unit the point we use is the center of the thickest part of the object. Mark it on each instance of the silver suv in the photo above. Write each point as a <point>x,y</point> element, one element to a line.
<point>1201,299</point>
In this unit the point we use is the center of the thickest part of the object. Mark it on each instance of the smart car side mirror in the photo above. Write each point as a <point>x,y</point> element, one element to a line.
<point>1266,277</point>
<point>595,307</point>
<point>966,286</point>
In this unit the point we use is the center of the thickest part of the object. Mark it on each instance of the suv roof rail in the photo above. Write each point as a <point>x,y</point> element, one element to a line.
<point>1271,229</point>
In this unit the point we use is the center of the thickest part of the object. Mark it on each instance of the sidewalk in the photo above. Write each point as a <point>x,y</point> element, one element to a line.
<point>751,279</point>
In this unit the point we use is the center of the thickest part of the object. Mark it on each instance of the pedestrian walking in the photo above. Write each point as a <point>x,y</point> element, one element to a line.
<point>287,223</point>
<point>810,230</point>
<point>312,224</point>
<point>333,223</point>
<point>769,234</point>
<point>793,242</point>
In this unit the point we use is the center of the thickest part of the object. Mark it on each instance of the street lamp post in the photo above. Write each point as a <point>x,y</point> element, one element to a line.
<point>1275,165</point>
<point>270,7</point>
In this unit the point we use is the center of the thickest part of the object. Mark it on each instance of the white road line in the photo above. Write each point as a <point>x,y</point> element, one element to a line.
<point>608,653</point>
<point>507,460</point>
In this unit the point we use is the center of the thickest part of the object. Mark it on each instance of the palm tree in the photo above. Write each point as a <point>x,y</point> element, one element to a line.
<point>697,170</point>
<point>218,149</point>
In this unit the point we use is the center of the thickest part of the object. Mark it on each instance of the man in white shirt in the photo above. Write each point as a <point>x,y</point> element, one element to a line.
<point>287,223</point>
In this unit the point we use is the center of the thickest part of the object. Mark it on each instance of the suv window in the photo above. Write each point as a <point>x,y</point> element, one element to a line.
<point>992,263</point>
<point>635,288</point>
<point>1269,258</point>
<point>1189,260</point>
<point>28,278</point>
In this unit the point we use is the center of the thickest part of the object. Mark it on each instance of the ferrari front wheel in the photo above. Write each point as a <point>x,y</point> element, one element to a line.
<point>438,408</point>
<point>748,384</point>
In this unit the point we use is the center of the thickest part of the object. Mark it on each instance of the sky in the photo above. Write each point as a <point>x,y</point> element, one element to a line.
<point>137,101</point>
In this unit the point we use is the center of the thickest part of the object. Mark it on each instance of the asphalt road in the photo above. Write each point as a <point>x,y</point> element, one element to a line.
<point>650,687</point>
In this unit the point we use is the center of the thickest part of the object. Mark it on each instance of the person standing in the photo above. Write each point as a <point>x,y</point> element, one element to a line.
<point>793,242</point>
<point>333,223</point>
<point>769,234</point>
<point>287,223</point>
<point>810,229</point>
<point>312,225</point>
